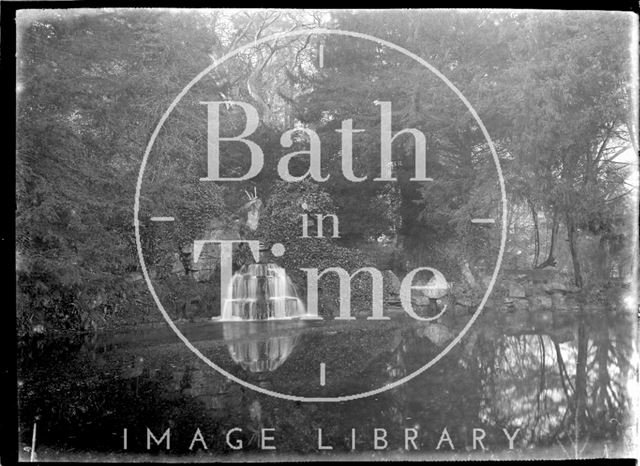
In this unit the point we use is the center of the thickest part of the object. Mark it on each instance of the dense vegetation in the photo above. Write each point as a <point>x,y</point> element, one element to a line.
<point>556,97</point>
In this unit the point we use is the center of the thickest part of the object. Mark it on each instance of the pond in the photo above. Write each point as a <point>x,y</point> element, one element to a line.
<point>504,391</point>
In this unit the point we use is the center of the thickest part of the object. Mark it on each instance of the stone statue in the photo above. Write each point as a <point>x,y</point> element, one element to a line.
<point>262,290</point>
<point>252,208</point>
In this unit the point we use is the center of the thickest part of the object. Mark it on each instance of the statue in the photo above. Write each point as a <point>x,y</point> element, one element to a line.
<point>253,210</point>
<point>261,291</point>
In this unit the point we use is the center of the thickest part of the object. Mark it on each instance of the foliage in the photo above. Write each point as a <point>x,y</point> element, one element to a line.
<point>282,222</point>
<point>92,86</point>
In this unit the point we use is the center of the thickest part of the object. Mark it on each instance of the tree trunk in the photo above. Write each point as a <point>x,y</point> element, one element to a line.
<point>536,230</point>
<point>580,392</point>
<point>550,261</point>
<point>412,230</point>
<point>571,233</point>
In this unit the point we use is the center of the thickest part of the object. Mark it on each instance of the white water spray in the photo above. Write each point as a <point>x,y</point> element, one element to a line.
<point>261,292</point>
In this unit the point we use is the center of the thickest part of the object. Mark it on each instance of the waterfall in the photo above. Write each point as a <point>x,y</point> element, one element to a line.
<point>261,292</point>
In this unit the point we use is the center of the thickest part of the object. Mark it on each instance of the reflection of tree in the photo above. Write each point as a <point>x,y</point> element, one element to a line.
<point>567,393</point>
<point>523,391</point>
<point>602,371</point>
<point>562,392</point>
<point>447,395</point>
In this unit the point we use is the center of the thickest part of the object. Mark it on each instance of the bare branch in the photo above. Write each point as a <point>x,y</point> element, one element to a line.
<point>241,35</point>
<point>606,201</point>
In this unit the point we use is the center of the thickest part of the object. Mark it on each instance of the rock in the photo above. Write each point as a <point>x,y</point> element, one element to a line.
<point>133,369</point>
<point>191,307</point>
<point>532,290</point>
<point>511,322</point>
<point>517,320</point>
<point>556,286</point>
<point>189,392</point>
<point>522,316</point>
<point>470,344</point>
<point>393,301</point>
<point>458,290</point>
<point>213,402</point>
<point>460,310</point>
<point>490,333</point>
<point>563,318</point>
<point>438,334</point>
<point>486,280</point>
<point>542,318</point>
<point>170,395</point>
<point>558,300</point>
<point>214,234</point>
<point>449,320</point>
<point>464,302</point>
<point>420,300</point>
<point>516,291</point>
<point>521,305</point>
<point>178,267</point>
<point>542,275</point>
<point>562,336</point>
<point>134,277</point>
<point>542,302</point>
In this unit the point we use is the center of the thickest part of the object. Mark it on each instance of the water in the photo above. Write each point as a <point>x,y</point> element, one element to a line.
<point>250,349</point>
<point>566,387</point>
<point>261,292</point>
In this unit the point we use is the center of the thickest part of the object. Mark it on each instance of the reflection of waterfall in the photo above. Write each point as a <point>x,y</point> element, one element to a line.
<point>256,352</point>
<point>261,292</point>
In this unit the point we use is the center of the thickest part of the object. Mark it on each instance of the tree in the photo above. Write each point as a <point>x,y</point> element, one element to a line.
<point>93,86</point>
<point>569,120</point>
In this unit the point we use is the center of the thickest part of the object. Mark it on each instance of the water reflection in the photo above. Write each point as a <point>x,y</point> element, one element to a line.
<point>561,392</point>
<point>565,387</point>
<point>251,346</point>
